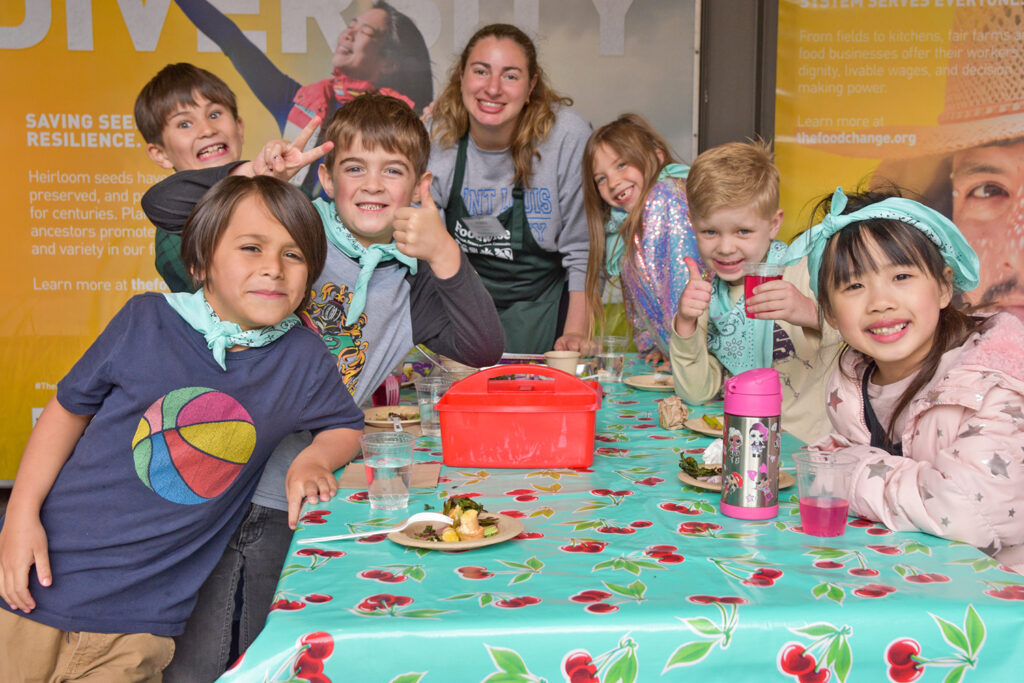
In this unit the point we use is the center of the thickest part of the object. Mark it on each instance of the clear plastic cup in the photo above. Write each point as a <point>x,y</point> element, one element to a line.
<point>429,391</point>
<point>755,274</point>
<point>387,460</point>
<point>610,352</point>
<point>824,484</point>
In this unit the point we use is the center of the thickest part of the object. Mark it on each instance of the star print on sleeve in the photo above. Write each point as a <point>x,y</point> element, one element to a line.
<point>879,469</point>
<point>1013,411</point>
<point>997,466</point>
<point>834,400</point>
<point>972,430</point>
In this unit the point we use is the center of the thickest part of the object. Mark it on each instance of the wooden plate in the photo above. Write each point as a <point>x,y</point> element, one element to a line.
<point>696,424</point>
<point>659,382</point>
<point>378,416</point>
<point>508,527</point>
<point>785,481</point>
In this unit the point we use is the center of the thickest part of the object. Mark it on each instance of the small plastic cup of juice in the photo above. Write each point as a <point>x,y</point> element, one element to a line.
<point>824,484</point>
<point>755,274</point>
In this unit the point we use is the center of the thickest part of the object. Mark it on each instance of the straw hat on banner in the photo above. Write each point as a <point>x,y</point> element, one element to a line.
<point>970,165</point>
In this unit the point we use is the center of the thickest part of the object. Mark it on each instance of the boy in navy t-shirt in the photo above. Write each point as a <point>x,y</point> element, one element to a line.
<point>139,470</point>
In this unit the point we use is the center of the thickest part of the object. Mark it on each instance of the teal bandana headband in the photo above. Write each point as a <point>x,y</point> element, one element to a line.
<point>955,250</point>
<point>221,335</point>
<point>614,245</point>
<point>367,257</point>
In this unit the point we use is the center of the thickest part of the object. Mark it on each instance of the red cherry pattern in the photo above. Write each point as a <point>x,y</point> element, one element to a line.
<point>318,598</point>
<point>474,573</point>
<point>863,571</point>
<point>694,528</point>
<point>382,576</point>
<point>794,660</point>
<point>318,552</point>
<point>514,603</point>
<point>359,497</point>
<point>579,667</point>
<point>309,665</point>
<point>383,601</point>
<point>900,658</point>
<point>376,538</point>
<point>664,554</point>
<point>601,608</point>
<point>874,590</point>
<point>763,577</point>
<point>615,530</point>
<point>591,596</point>
<point>886,549</point>
<point>287,605</point>
<point>649,481</point>
<point>828,564</point>
<point>930,577</point>
<point>1011,592</point>
<point>526,535</point>
<point>712,599</point>
<point>315,517</point>
<point>517,514</point>
<point>584,547</point>
<point>676,507</point>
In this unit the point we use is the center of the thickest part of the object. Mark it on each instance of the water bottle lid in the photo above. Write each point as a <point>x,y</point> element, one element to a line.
<point>754,392</point>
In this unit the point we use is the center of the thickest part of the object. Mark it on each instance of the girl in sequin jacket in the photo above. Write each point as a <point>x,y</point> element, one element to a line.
<point>640,228</point>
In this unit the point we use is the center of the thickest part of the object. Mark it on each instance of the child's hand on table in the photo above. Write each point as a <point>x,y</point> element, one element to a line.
<point>693,302</point>
<point>310,478</point>
<point>22,544</point>
<point>781,300</point>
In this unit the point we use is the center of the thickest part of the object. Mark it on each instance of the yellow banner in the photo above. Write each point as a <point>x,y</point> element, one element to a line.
<point>78,245</point>
<point>926,94</point>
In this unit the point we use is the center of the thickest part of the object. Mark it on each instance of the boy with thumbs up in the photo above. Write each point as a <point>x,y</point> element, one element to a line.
<point>393,278</point>
<point>733,192</point>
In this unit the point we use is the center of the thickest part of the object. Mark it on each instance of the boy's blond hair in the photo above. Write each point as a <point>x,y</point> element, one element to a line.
<point>733,175</point>
<point>379,121</point>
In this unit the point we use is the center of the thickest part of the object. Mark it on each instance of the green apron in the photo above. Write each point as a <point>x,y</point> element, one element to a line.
<point>525,280</point>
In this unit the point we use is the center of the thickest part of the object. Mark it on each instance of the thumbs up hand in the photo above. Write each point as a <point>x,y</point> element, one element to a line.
<point>693,301</point>
<point>420,233</point>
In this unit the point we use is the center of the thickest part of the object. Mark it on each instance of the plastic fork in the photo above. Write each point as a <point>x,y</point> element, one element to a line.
<point>418,517</point>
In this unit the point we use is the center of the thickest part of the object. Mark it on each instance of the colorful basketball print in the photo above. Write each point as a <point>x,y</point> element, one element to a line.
<point>191,444</point>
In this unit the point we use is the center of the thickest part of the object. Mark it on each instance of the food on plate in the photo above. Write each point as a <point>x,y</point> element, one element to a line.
<point>672,413</point>
<point>698,470</point>
<point>467,526</point>
<point>404,414</point>
<point>712,422</point>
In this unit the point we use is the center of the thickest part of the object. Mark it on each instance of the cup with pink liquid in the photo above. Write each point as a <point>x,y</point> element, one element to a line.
<point>824,483</point>
<point>755,274</point>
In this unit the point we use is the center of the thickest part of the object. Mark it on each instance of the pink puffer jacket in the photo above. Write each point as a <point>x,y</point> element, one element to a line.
<point>962,476</point>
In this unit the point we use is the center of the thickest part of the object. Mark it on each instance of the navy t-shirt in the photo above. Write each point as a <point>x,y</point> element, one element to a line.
<point>142,510</point>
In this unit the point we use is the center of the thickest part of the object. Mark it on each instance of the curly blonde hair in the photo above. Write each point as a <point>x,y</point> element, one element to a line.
<point>451,120</point>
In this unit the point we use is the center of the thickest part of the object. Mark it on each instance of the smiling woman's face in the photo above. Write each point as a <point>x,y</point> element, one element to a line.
<point>988,206</point>
<point>359,51</point>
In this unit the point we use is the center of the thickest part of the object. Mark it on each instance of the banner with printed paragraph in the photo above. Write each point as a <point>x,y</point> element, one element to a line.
<point>78,245</point>
<point>927,95</point>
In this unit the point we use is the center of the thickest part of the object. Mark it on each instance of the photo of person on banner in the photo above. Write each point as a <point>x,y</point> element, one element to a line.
<point>970,166</point>
<point>380,49</point>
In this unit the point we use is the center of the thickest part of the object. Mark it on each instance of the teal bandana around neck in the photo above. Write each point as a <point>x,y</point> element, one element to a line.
<point>941,231</point>
<point>368,257</point>
<point>738,342</point>
<point>614,245</point>
<point>221,335</point>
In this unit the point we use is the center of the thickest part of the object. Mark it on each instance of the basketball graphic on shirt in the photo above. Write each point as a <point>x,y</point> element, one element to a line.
<point>191,444</point>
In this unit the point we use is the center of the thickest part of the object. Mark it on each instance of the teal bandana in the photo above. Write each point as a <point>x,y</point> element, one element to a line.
<point>738,342</point>
<point>955,250</point>
<point>614,245</point>
<point>221,335</point>
<point>368,257</point>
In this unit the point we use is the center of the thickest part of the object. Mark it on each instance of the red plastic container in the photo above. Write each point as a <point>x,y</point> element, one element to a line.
<point>531,423</point>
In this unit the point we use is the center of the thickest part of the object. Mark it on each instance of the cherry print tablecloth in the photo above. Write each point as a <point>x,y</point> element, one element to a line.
<point>625,574</point>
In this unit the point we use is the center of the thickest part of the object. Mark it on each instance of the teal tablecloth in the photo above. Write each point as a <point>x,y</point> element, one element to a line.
<point>623,574</point>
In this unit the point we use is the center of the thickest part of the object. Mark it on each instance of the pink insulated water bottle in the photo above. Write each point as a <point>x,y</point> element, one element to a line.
<point>750,462</point>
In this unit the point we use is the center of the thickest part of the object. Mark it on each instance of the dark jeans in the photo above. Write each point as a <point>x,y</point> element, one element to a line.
<point>254,554</point>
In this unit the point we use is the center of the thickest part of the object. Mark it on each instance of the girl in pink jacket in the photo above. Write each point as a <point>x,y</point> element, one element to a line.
<point>929,398</point>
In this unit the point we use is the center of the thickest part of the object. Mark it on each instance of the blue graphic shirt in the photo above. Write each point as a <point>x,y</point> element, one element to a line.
<point>143,508</point>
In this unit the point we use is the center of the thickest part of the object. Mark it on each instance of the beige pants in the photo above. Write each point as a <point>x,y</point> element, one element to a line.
<point>36,652</point>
